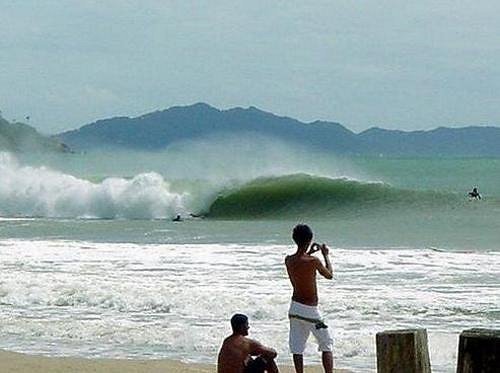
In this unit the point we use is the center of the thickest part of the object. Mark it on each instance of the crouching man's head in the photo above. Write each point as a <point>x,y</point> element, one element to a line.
<point>239,323</point>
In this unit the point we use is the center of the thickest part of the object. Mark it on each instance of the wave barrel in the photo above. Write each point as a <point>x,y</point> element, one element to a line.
<point>403,351</point>
<point>479,351</point>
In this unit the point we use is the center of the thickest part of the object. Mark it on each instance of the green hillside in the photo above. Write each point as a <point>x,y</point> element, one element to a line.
<point>20,137</point>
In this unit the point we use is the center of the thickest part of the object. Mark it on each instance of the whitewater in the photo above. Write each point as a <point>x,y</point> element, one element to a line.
<point>160,300</point>
<point>92,265</point>
<point>42,192</point>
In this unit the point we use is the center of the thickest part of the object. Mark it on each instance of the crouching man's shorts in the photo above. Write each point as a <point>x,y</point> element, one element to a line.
<point>305,320</point>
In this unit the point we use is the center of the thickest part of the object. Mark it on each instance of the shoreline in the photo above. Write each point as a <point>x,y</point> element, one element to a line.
<point>15,362</point>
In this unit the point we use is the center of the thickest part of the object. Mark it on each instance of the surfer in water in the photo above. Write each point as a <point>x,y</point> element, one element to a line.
<point>474,194</point>
<point>197,216</point>
<point>177,218</point>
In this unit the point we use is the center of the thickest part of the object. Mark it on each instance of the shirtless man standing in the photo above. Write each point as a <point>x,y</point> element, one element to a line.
<point>303,313</point>
<point>236,353</point>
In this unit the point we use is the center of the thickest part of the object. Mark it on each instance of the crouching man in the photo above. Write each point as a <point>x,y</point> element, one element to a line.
<point>240,354</point>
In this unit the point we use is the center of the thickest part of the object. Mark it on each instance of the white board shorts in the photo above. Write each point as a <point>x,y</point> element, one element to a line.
<point>301,329</point>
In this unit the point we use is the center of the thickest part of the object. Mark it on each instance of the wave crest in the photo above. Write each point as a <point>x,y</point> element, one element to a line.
<point>303,194</point>
<point>42,192</point>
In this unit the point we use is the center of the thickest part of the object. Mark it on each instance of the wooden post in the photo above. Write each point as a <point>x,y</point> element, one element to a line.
<point>403,351</point>
<point>479,351</point>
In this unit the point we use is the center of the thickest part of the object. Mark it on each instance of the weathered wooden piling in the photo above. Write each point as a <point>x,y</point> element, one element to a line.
<point>403,351</point>
<point>479,351</point>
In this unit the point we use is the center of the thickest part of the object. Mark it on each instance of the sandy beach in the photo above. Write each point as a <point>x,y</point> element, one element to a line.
<point>13,362</point>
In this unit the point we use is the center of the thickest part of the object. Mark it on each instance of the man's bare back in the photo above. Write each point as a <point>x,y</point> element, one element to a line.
<point>301,269</point>
<point>235,353</point>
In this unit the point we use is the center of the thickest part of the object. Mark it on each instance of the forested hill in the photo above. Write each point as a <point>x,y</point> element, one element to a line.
<point>157,130</point>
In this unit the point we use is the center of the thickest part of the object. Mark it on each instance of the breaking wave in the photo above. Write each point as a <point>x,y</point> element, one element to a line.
<point>305,194</point>
<point>28,191</point>
<point>41,192</point>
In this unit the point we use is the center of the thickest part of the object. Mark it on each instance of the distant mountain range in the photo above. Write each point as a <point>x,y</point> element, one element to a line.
<point>157,130</point>
<point>20,137</point>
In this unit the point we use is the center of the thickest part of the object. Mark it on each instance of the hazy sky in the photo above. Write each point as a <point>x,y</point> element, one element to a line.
<point>394,64</point>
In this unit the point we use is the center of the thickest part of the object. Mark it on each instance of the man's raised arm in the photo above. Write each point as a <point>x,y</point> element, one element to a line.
<point>325,271</point>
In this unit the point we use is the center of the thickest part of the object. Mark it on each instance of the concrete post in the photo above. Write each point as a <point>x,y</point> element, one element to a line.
<point>403,351</point>
<point>479,351</point>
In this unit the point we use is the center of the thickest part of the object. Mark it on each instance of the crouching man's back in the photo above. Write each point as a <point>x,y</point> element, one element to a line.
<point>237,351</point>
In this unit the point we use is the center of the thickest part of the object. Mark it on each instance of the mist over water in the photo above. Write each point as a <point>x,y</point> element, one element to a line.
<point>214,159</point>
<point>187,177</point>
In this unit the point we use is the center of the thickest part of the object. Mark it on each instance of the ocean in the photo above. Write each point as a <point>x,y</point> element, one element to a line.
<point>92,264</point>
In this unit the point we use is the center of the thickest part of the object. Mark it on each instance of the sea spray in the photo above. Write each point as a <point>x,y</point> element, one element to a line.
<point>217,160</point>
<point>43,192</point>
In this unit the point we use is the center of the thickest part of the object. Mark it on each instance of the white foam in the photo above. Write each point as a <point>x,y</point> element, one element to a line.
<point>175,300</point>
<point>42,192</point>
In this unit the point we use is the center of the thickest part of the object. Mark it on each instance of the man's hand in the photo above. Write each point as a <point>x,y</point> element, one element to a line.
<point>324,249</point>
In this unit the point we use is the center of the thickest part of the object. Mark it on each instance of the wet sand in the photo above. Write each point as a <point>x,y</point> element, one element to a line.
<point>13,362</point>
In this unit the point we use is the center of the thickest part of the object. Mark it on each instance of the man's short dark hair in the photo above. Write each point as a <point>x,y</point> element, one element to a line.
<point>302,234</point>
<point>238,321</point>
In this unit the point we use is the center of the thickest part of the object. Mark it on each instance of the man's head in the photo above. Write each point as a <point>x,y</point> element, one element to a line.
<point>302,235</point>
<point>239,323</point>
